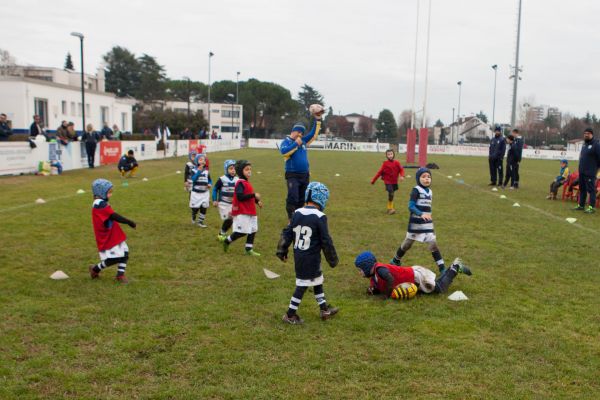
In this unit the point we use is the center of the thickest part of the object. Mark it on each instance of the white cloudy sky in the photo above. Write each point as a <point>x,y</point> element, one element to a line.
<point>357,53</point>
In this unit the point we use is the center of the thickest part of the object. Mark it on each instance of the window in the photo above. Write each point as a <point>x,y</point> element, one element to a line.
<point>87,110</point>
<point>73,108</point>
<point>215,111</point>
<point>104,115</point>
<point>226,128</point>
<point>79,109</point>
<point>124,121</point>
<point>41,109</point>
<point>228,113</point>
<point>64,107</point>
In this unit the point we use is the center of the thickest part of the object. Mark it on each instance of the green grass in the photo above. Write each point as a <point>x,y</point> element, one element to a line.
<point>196,323</point>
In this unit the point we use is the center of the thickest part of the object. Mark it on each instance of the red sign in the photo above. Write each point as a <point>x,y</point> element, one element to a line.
<point>110,152</point>
<point>196,146</point>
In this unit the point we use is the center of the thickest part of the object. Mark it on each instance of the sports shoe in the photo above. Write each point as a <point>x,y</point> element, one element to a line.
<point>221,238</point>
<point>121,279</point>
<point>193,222</point>
<point>329,312</point>
<point>293,320</point>
<point>590,210</point>
<point>394,262</point>
<point>202,224</point>
<point>461,268</point>
<point>93,274</point>
<point>251,252</point>
<point>578,208</point>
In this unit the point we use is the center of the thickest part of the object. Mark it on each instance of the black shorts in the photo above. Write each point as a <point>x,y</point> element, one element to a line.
<point>391,188</point>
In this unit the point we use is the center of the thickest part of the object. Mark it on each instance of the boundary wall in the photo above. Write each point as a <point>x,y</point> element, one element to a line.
<point>19,158</point>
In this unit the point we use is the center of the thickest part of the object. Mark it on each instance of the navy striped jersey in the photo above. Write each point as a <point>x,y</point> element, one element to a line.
<point>309,232</point>
<point>200,180</point>
<point>420,202</point>
<point>223,189</point>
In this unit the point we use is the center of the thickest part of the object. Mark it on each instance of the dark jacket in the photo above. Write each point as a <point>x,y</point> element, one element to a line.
<point>90,137</point>
<point>512,153</point>
<point>589,158</point>
<point>35,130</point>
<point>518,144</point>
<point>497,147</point>
<point>5,131</point>
<point>106,132</point>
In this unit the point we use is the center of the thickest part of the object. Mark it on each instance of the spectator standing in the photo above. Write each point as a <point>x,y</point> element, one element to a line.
<point>116,132</point>
<point>5,130</point>
<point>496,155</point>
<point>36,127</point>
<point>106,132</point>
<point>91,139</point>
<point>589,162</point>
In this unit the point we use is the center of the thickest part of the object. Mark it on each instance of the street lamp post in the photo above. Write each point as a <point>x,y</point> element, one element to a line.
<point>210,54</point>
<point>230,95</point>
<point>495,68</point>
<point>188,98</point>
<point>459,83</point>
<point>237,88</point>
<point>80,36</point>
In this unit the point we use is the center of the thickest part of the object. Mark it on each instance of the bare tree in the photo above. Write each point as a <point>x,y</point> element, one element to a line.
<point>7,63</point>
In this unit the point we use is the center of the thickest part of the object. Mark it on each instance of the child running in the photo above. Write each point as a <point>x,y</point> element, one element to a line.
<point>420,224</point>
<point>389,172</point>
<point>243,209</point>
<point>310,234</point>
<point>200,184</point>
<point>110,238</point>
<point>223,196</point>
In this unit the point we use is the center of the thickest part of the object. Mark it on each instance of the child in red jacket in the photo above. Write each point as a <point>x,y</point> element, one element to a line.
<point>390,171</point>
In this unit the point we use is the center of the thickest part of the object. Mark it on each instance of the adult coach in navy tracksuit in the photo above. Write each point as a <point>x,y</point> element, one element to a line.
<point>497,150</point>
<point>293,148</point>
<point>589,162</point>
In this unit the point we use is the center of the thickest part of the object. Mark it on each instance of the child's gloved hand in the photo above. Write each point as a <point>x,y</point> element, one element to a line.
<point>132,224</point>
<point>282,255</point>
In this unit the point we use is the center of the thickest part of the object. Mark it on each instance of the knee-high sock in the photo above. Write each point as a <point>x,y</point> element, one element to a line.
<point>437,257</point>
<point>226,225</point>
<point>202,215</point>
<point>320,297</point>
<point>234,236</point>
<point>296,300</point>
<point>194,213</point>
<point>443,282</point>
<point>250,241</point>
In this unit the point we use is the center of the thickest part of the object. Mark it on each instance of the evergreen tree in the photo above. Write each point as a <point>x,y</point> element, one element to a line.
<point>122,72</point>
<point>308,95</point>
<point>69,63</point>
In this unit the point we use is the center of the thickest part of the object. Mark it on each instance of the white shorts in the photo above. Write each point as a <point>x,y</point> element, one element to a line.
<point>198,200</point>
<point>310,282</point>
<point>116,252</point>
<point>225,210</point>
<point>424,279</point>
<point>245,224</point>
<point>421,237</point>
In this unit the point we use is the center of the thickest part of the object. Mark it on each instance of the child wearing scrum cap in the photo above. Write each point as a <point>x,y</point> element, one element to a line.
<point>309,232</point>
<point>110,238</point>
<point>420,223</point>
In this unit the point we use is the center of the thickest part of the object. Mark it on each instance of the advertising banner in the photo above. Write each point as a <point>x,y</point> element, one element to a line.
<point>110,152</point>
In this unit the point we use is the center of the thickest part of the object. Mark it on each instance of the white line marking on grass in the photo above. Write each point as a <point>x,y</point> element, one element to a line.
<point>33,203</point>
<point>538,210</point>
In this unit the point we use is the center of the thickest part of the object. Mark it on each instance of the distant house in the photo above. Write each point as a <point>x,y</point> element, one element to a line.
<point>468,129</point>
<point>363,127</point>
<point>575,145</point>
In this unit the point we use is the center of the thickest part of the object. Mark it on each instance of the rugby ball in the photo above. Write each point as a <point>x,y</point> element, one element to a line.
<point>404,291</point>
<point>316,109</point>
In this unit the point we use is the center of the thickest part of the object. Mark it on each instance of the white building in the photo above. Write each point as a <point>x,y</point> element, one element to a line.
<point>55,95</point>
<point>226,119</point>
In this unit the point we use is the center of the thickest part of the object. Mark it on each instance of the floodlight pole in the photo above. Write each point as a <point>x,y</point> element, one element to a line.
<point>513,116</point>
<point>80,36</point>
<point>412,113</point>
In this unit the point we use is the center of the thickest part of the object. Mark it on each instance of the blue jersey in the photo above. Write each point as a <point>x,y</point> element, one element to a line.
<point>419,204</point>
<point>296,158</point>
<point>309,232</point>
<point>200,180</point>
<point>224,188</point>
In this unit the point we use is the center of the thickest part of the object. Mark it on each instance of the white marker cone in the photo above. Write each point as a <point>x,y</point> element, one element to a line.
<point>145,179</point>
<point>516,205</point>
<point>571,220</point>
<point>457,174</point>
<point>494,189</point>
<point>502,196</point>
<point>80,191</point>
<point>178,172</point>
<point>40,201</point>
<point>270,274</point>
<point>458,296</point>
<point>59,276</point>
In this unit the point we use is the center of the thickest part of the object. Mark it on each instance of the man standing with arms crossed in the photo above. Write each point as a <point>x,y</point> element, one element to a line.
<point>589,162</point>
<point>293,148</point>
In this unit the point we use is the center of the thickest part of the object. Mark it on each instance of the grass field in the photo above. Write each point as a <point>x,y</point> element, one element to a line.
<point>196,323</point>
